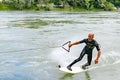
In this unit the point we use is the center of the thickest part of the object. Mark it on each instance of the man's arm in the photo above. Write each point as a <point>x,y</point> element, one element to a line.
<point>98,56</point>
<point>75,43</point>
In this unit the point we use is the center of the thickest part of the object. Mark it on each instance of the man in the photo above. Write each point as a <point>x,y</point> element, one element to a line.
<point>90,44</point>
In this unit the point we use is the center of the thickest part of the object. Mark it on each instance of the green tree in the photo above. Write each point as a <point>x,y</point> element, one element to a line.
<point>87,4</point>
<point>109,6</point>
<point>64,2</point>
<point>27,3</point>
<point>3,1</point>
<point>117,3</point>
<point>48,4</point>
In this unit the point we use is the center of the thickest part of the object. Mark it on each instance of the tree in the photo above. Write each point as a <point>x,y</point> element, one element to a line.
<point>117,3</point>
<point>3,1</point>
<point>27,3</point>
<point>64,2</point>
<point>47,4</point>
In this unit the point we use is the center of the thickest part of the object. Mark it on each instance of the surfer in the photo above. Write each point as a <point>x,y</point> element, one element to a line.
<point>90,44</point>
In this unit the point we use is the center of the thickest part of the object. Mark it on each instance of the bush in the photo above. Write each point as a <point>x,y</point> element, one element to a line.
<point>117,3</point>
<point>3,6</point>
<point>109,6</point>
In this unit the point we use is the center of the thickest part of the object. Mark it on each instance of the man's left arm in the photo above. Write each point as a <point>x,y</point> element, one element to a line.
<point>98,56</point>
<point>99,52</point>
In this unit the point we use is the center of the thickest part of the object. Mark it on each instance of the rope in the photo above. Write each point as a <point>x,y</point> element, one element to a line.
<point>40,48</point>
<point>20,50</point>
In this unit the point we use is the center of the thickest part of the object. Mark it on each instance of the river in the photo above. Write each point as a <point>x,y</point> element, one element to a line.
<point>30,40</point>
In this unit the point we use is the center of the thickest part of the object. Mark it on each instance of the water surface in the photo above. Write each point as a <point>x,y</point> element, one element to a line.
<point>28,41</point>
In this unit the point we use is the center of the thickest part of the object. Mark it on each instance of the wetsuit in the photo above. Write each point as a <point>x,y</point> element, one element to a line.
<point>87,50</point>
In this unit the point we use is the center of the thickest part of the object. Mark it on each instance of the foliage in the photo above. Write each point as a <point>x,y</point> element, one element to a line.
<point>117,3</point>
<point>2,6</point>
<point>109,6</point>
<point>72,4</point>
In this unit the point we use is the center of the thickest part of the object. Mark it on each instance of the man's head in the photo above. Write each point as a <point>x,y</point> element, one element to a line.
<point>90,36</point>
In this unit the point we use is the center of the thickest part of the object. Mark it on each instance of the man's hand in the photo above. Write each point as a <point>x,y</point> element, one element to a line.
<point>70,45</point>
<point>96,61</point>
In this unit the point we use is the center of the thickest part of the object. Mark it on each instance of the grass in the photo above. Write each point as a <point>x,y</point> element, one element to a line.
<point>76,9</point>
<point>3,7</point>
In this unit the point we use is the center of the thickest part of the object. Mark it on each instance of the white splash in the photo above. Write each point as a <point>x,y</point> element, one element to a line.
<point>61,56</point>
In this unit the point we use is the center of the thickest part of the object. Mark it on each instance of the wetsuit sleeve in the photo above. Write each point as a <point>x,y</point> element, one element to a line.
<point>97,46</point>
<point>82,41</point>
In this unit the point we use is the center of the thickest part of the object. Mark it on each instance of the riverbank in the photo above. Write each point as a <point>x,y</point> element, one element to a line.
<point>5,7</point>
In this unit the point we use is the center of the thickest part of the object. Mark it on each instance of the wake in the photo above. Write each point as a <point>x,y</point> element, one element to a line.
<point>64,58</point>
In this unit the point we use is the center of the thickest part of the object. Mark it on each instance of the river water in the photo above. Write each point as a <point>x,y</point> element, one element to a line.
<point>29,44</point>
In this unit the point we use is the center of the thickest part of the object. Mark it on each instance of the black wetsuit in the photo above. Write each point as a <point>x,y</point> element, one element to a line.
<point>87,50</point>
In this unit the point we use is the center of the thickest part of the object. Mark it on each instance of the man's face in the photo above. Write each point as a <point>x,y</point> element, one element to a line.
<point>90,36</point>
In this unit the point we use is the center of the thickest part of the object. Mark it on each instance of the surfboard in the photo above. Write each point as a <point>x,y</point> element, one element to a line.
<point>78,69</point>
<point>74,69</point>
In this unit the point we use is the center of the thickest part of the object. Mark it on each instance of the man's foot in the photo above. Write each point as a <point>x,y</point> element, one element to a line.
<point>69,68</point>
<point>84,67</point>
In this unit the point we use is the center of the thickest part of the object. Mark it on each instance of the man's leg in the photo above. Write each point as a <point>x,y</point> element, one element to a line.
<point>76,60</point>
<point>89,59</point>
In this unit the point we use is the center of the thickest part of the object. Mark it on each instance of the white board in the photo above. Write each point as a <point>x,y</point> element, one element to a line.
<point>74,69</point>
<point>78,69</point>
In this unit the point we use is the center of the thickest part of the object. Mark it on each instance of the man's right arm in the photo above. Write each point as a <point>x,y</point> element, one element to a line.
<point>76,43</point>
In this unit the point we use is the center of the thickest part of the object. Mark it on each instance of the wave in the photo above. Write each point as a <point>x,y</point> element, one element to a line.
<point>64,58</point>
<point>61,56</point>
<point>111,57</point>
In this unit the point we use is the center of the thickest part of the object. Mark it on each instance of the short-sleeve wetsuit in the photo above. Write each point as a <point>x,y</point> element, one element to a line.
<point>87,50</point>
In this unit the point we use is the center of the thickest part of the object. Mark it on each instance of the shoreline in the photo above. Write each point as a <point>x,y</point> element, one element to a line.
<point>59,9</point>
<point>5,7</point>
